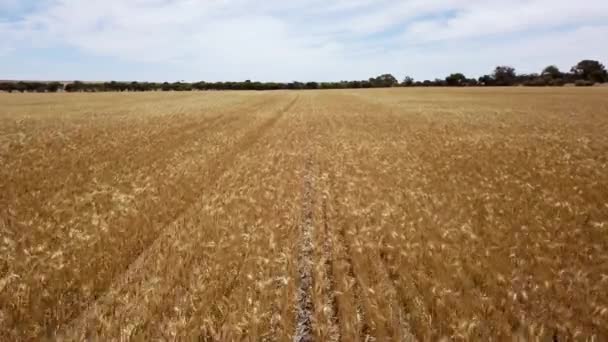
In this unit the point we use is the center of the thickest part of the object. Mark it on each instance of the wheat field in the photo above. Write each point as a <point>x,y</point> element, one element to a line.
<point>349,215</point>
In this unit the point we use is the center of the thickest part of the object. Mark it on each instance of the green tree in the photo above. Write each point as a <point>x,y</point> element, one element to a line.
<point>551,72</point>
<point>384,81</point>
<point>590,70</point>
<point>455,80</point>
<point>54,87</point>
<point>504,76</point>
<point>312,85</point>
<point>408,81</point>
<point>486,80</point>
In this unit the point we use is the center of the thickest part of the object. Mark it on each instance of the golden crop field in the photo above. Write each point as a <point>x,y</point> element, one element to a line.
<point>350,215</point>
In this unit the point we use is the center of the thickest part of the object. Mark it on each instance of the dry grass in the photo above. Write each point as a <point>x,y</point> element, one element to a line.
<point>465,214</point>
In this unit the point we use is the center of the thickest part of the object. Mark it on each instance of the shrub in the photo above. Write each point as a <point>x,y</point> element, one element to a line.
<point>557,82</point>
<point>584,83</point>
<point>536,82</point>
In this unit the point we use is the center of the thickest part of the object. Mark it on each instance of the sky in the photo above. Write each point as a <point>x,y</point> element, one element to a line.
<point>286,40</point>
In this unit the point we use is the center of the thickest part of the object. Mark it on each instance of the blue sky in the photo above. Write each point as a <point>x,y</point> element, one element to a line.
<point>279,40</point>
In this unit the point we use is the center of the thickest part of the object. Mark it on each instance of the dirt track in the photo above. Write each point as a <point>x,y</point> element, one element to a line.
<point>337,215</point>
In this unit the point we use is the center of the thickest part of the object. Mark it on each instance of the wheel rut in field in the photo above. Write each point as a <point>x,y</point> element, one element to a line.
<point>348,293</point>
<point>304,303</point>
<point>170,231</point>
<point>331,305</point>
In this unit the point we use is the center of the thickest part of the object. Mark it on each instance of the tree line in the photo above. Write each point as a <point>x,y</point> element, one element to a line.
<point>585,73</point>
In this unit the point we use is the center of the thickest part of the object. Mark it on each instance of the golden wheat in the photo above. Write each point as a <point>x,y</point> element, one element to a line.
<point>402,214</point>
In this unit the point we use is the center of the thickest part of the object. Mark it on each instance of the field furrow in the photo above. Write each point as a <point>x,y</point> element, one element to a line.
<point>304,301</point>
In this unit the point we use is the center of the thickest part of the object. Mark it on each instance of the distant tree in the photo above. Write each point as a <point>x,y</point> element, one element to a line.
<point>504,76</point>
<point>312,85</point>
<point>21,87</point>
<point>354,84</point>
<point>590,70</point>
<point>585,73</point>
<point>54,87</point>
<point>408,81</point>
<point>180,86</point>
<point>77,86</point>
<point>198,85</point>
<point>439,83</point>
<point>384,81</point>
<point>526,78</point>
<point>551,72</point>
<point>471,82</point>
<point>6,86</point>
<point>366,84</point>
<point>295,85</point>
<point>38,87</point>
<point>534,81</point>
<point>455,80</point>
<point>485,80</point>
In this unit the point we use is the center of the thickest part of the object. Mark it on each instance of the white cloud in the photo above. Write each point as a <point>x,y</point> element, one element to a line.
<point>494,17</point>
<point>314,39</point>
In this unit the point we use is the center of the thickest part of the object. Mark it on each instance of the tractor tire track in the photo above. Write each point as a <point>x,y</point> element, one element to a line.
<point>331,305</point>
<point>304,303</point>
<point>328,313</point>
<point>346,294</point>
